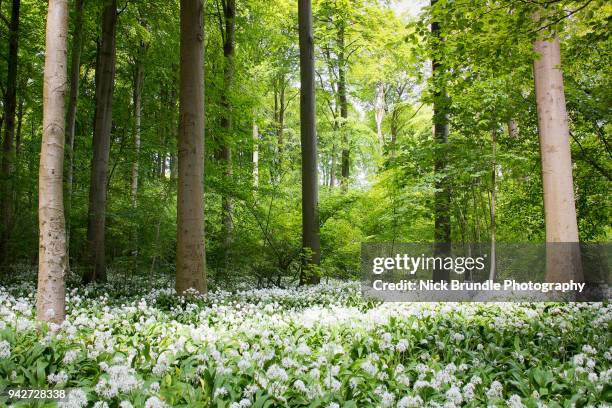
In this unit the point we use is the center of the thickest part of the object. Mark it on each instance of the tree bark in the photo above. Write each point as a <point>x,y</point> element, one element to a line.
<point>255,155</point>
<point>105,82</point>
<point>492,204</point>
<point>225,155</point>
<point>380,112</point>
<point>18,134</point>
<point>513,129</point>
<point>562,260</point>
<point>53,255</point>
<point>310,185</point>
<point>8,149</point>
<point>442,226</point>
<point>332,170</point>
<point>190,254</point>
<point>137,105</point>
<point>346,150</point>
<point>138,83</point>
<point>75,68</point>
<point>395,116</point>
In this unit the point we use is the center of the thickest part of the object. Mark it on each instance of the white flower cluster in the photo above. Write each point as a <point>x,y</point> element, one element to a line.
<point>303,344</point>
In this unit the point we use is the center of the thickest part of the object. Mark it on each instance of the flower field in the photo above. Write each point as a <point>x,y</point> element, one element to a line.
<point>321,346</point>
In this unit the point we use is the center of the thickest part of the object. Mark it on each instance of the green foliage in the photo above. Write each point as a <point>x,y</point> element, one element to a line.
<point>485,48</point>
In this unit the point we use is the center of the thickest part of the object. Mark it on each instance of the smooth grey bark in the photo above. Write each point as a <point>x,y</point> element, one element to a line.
<point>310,184</point>
<point>52,254</point>
<point>563,252</point>
<point>105,82</point>
<point>190,251</point>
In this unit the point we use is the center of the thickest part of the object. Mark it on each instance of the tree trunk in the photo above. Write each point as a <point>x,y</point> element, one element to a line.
<point>255,155</point>
<point>279,105</point>
<point>346,150</point>
<point>380,112</point>
<point>492,204</point>
<point>75,68</point>
<point>332,170</point>
<point>394,130</point>
<point>442,226</point>
<point>105,82</point>
<point>18,134</point>
<point>225,156</point>
<point>8,151</point>
<point>53,255</point>
<point>137,105</point>
<point>562,260</point>
<point>310,186</point>
<point>513,129</point>
<point>190,253</point>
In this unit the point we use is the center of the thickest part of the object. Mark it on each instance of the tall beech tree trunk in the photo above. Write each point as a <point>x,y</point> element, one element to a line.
<point>346,150</point>
<point>562,260</point>
<point>8,147</point>
<point>75,68</point>
<point>138,83</point>
<point>442,226</point>
<point>105,82</point>
<point>52,253</point>
<point>190,253</point>
<point>310,184</point>
<point>225,154</point>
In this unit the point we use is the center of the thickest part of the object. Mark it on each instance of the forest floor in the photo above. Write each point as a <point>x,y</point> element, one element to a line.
<point>322,346</point>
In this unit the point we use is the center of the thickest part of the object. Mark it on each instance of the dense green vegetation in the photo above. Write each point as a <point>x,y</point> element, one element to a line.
<point>374,185</point>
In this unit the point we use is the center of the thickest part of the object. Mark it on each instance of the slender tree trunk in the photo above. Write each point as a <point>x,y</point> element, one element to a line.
<point>190,253</point>
<point>279,104</point>
<point>18,134</point>
<point>492,204</point>
<point>229,12</point>
<point>137,105</point>
<point>105,82</point>
<point>394,130</point>
<point>255,155</point>
<point>346,150</point>
<point>75,68</point>
<point>562,260</point>
<point>380,112</point>
<point>8,150</point>
<point>332,170</point>
<point>310,184</point>
<point>53,255</point>
<point>513,129</point>
<point>442,227</point>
